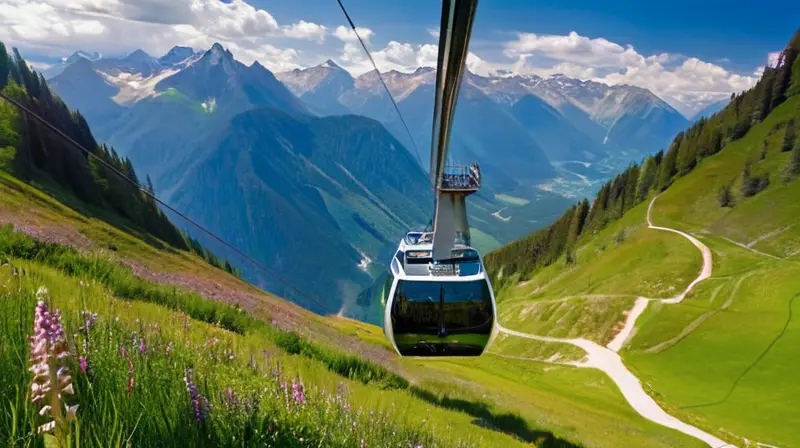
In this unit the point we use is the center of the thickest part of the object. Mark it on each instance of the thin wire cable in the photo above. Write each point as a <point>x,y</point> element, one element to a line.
<point>239,252</point>
<point>369,55</point>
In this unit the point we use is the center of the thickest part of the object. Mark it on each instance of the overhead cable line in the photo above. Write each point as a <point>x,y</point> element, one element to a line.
<point>211,234</point>
<point>369,55</point>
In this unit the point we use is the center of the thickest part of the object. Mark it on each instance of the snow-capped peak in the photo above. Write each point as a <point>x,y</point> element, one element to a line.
<point>82,55</point>
<point>330,64</point>
<point>178,55</point>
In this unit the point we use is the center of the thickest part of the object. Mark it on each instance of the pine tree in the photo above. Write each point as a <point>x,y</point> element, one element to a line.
<point>667,169</point>
<point>646,178</point>
<point>784,72</point>
<point>29,80</point>
<point>577,223</point>
<point>766,95</point>
<point>5,66</point>
<point>149,186</point>
<point>789,136</point>
<point>632,181</point>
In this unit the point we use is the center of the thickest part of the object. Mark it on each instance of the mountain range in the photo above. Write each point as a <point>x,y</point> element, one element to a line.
<point>312,170</point>
<point>573,119</point>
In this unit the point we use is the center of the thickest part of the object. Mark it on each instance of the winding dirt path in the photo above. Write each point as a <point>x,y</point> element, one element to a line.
<point>608,360</point>
<point>640,306</point>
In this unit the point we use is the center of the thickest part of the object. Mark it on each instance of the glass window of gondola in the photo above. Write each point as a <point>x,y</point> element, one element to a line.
<point>416,308</point>
<point>467,307</point>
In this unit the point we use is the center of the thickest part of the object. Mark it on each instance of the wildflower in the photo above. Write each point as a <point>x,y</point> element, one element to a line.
<point>142,346</point>
<point>363,444</point>
<point>51,381</point>
<point>170,346</point>
<point>298,394</point>
<point>130,376</point>
<point>199,403</point>
<point>90,320</point>
<point>83,364</point>
<point>122,351</point>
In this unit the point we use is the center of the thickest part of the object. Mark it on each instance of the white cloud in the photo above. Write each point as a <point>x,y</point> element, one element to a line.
<point>433,32</point>
<point>347,35</point>
<point>88,27</point>
<point>53,28</point>
<point>399,56</point>
<point>306,30</point>
<point>573,48</point>
<point>688,85</point>
<point>232,20</point>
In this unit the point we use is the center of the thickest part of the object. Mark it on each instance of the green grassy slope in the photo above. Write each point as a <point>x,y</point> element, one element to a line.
<point>613,266</point>
<point>728,349</point>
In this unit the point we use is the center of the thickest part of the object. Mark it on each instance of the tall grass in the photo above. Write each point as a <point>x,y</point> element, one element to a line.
<point>144,384</point>
<point>124,284</point>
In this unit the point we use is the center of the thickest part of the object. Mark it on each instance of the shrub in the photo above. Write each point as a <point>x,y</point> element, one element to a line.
<point>725,197</point>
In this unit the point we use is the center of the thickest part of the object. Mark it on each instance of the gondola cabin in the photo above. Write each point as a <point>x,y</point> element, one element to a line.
<point>437,308</point>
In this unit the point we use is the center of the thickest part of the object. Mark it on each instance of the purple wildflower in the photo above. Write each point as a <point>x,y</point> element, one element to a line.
<point>170,346</point>
<point>142,346</point>
<point>199,403</point>
<point>51,382</point>
<point>122,351</point>
<point>83,363</point>
<point>298,394</point>
<point>90,319</point>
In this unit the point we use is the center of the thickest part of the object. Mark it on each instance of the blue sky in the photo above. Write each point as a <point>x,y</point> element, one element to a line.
<point>738,35</point>
<point>690,53</point>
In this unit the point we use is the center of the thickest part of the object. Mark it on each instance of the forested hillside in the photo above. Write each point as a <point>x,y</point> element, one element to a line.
<point>656,173</point>
<point>34,153</point>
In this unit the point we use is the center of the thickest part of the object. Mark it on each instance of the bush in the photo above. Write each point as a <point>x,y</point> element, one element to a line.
<point>725,197</point>
<point>751,184</point>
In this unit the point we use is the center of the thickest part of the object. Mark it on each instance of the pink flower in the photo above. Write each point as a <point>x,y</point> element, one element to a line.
<point>298,393</point>
<point>83,364</point>
<point>52,383</point>
<point>142,346</point>
<point>122,351</point>
<point>130,376</point>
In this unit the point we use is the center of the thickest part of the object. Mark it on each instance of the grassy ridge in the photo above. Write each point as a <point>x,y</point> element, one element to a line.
<point>588,297</point>
<point>725,350</point>
<point>728,348</point>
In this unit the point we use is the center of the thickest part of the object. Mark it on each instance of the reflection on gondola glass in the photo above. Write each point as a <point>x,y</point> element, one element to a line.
<point>442,318</point>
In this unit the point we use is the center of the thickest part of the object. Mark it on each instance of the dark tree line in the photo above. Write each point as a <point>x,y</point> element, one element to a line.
<point>30,149</point>
<point>656,173</point>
